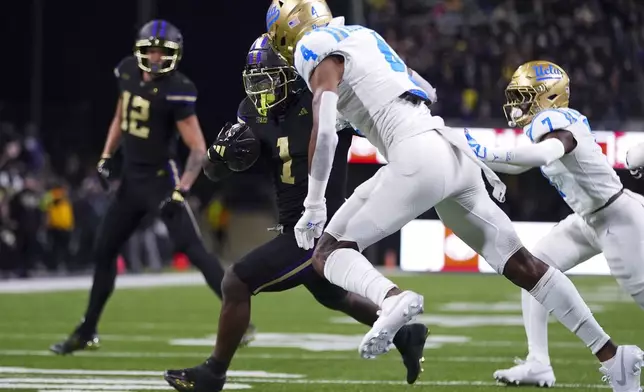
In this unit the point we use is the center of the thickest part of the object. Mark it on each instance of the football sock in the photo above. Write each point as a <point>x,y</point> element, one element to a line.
<point>535,320</point>
<point>350,270</point>
<point>560,297</point>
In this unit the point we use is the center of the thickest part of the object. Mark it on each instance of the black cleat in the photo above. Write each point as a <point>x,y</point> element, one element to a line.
<point>249,336</point>
<point>76,342</point>
<point>411,349</point>
<point>195,379</point>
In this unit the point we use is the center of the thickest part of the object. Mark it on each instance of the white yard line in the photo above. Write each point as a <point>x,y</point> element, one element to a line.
<point>321,357</point>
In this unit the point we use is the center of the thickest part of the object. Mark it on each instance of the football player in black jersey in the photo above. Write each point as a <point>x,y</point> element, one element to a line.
<point>277,113</point>
<point>156,102</point>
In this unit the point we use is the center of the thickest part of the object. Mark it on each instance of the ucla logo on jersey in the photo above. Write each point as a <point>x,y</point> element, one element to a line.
<point>271,16</point>
<point>546,73</point>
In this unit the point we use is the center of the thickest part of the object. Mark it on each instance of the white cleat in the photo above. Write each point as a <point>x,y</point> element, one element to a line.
<point>396,311</point>
<point>531,373</point>
<point>624,374</point>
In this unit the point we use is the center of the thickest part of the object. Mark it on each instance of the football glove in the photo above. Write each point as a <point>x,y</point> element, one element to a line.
<point>105,169</point>
<point>172,204</point>
<point>310,226</point>
<point>237,146</point>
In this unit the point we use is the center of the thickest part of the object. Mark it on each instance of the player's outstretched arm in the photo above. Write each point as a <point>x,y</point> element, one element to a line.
<point>192,136</point>
<point>114,133</point>
<point>507,168</point>
<point>552,147</point>
<point>324,83</point>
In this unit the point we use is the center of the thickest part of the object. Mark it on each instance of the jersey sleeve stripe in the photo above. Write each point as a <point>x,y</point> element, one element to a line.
<point>339,30</point>
<point>181,98</point>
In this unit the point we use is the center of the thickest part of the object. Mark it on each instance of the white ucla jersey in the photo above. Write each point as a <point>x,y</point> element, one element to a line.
<point>374,76</point>
<point>584,178</point>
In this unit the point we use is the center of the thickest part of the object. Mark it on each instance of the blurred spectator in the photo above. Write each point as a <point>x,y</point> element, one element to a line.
<point>60,224</point>
<point>25,212</point>
<point>468,50</point>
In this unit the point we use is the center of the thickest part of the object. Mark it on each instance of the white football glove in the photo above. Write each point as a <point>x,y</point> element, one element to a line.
<point>310,226</point>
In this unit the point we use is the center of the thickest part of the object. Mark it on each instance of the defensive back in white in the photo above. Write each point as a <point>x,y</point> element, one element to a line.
<point>584,178</point>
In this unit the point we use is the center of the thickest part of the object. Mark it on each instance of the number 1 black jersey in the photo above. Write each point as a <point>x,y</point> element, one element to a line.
<point>285,144</point>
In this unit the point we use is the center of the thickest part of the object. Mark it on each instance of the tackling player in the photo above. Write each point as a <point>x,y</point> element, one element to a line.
<point>278,109</point>
<point>607,218</point>
<point>353,71</point>
<point>156,101</point>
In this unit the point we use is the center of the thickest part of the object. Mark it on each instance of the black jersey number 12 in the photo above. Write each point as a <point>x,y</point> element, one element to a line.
<point>133,115</point>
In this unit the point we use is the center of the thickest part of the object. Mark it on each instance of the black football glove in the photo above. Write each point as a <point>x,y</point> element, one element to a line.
<point>105,170</point>
<point>637,172</point>
<point>172,204</point>
<point>237,146</point>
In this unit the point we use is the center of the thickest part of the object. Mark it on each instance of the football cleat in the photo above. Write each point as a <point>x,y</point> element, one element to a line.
<point>532,373</point>
<point>76,342</point>
<point>195,379</point>
<point>412,348</point>
<point>624,374</point>
<point>396,311</point>
<point>249,336</point>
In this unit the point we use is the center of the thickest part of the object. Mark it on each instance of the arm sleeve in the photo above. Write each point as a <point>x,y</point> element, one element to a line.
<point>507,168</point>
<point>532,155</point>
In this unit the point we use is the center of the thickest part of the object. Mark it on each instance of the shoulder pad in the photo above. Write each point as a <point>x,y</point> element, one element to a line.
<point>315,47</point>
<point>545,122</point>
<point>182,90</point>
<point>246,111</point>
<point>125,67</point>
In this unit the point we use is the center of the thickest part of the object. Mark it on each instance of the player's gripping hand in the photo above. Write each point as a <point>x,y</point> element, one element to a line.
<point>637,172</point>
<point>105,170</point>
<point>237,146</point>
<point>311,225</point>
<point>631,156</point>
<point>172,204</point>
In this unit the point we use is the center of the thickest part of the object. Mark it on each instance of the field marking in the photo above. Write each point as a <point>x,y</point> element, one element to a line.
<point>153,373</point>
<point>127,281</point>
<point>308,357</point>
<point>120,384</point>
<point>425,383</point>
<point>166,339</point>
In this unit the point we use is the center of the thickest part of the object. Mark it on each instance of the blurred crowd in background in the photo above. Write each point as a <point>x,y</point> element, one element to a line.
<point>48,219</point>
<point>467,49</point>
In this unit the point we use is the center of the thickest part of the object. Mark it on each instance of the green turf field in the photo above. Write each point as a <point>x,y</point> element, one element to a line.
<point>475,322</point>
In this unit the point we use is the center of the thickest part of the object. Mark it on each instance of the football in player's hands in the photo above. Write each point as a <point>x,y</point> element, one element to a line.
<point>237,146</point>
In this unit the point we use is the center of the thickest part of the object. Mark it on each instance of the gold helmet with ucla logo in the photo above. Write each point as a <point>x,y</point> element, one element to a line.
<point>287,21</point>
<point>535,86</point>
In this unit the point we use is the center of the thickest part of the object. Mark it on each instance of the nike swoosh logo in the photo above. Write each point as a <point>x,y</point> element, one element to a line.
<point>622,381</point>
<point>533,373</point>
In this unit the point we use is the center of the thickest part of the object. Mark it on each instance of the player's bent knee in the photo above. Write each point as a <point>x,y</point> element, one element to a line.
<point>524,270</point>
<point>327,245</point>
<point>233,289</point>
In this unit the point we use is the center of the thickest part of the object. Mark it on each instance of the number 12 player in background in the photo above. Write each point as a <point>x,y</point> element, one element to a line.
<point>352,70</point>
<point>156,101</point>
